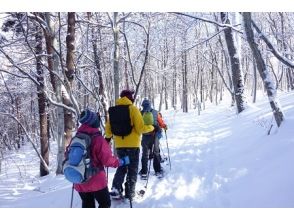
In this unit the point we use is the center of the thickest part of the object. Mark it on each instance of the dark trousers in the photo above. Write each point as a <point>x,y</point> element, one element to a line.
<point>130,171</point>
<point>102,196</point>
<point>150,146</point>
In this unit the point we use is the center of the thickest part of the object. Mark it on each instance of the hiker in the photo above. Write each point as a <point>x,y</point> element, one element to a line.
<point>125,125</point>
<point>100,153</point>
<point>150,141</point>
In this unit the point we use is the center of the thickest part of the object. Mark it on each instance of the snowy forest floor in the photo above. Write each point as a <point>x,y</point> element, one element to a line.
<point>218,159</point>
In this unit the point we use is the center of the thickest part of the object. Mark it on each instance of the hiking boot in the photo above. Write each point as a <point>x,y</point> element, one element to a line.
<point>160,174</point>
<point>115,194</point>
<point>141,172</point>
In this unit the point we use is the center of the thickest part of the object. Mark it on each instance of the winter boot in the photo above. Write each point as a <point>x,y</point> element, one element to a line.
<point>115,194</point>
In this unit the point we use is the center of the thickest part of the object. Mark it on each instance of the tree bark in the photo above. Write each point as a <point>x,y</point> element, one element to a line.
<point>69,72</point>
<point>44,141</point>
<point>53,64</point>
<point>115,57</point>
<point>235,65</point>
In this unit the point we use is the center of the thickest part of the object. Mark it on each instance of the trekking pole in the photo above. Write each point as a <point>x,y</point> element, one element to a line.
<point>129,185</point>
<point>167,150</point>
<point>72,192</point>
<point>161,150</point>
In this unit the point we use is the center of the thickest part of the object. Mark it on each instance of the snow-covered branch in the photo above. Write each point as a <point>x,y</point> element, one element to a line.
<point>275,52</point>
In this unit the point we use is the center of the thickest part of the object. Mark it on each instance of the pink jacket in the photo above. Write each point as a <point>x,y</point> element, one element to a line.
<point>102,156</point>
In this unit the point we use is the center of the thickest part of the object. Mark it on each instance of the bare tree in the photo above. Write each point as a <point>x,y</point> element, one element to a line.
<point>235,64</point>
<point>264,74</point>
<point>44,140</point>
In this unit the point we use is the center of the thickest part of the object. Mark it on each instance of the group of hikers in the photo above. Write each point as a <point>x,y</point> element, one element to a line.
<point>129,128</point>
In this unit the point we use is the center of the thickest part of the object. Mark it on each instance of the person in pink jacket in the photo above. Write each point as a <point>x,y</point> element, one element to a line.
<point>96,187</point>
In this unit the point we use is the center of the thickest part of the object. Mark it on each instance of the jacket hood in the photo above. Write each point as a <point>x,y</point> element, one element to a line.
<point>123,101</point>
<point>88,129</point>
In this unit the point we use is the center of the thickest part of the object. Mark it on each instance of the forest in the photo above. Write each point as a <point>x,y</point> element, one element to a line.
<point>54,65</point>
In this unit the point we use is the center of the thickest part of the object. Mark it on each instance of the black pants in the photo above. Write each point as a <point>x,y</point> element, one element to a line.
<point>102,196</point>
<point>150,146</point>
<point>130,171</point>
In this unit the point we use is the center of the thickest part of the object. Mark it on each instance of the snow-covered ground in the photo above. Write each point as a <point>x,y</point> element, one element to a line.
<point>218,159</point>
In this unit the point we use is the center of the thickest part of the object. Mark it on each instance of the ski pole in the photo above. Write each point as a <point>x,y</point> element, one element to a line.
<point>72,192</point>
<point>167,150</point>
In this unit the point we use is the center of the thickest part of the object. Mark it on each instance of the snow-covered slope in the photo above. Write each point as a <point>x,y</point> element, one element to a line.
<point>218,159</point>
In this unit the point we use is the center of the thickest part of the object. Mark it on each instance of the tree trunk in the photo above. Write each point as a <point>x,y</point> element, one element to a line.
<point>69,72</point>
<point>115,57</point>
<point>264,74</point>
<point>174,89</point>
<point>44,141</point>
<point>235,65</point>
<point>184,75</point>
<point>101,92</point>
<point>53,64</point>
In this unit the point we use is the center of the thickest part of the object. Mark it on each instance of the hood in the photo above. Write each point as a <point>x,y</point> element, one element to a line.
<point>123,101</point>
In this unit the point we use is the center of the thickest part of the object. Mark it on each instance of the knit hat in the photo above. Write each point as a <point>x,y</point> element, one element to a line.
<point>128,93</point>
<point>146,105</point>
<point>90,118</point>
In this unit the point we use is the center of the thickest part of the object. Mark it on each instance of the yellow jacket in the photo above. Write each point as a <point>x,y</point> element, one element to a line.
<point>133,140</point>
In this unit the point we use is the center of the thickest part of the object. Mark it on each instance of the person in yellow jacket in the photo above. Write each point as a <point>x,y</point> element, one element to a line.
<point>127,145</point>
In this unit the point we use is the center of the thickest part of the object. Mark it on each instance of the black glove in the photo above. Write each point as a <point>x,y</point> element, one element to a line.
<point>108,140</point>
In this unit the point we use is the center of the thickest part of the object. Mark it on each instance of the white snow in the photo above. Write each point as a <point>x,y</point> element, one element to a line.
<point>218,160</point>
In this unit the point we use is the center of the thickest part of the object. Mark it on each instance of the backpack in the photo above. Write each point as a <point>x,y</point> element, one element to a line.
<point>77,166</point>
<point>120,120</point>
<point>148,118</point>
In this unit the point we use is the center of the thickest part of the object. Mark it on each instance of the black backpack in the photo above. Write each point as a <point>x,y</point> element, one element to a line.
<point>120,120</point>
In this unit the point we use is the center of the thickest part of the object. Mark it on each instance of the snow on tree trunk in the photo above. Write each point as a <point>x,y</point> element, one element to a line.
<point>264,74</point>
<point>235,64</point>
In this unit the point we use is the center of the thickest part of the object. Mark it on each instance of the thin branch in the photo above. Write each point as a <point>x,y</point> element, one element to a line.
<point>30,139</point>
<point>275,52</point>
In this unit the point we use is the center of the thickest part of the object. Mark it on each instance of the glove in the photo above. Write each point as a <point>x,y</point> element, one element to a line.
<point>108,140</point>
<point>124,161</point>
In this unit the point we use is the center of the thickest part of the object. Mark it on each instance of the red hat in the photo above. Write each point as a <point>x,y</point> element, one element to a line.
<point>128,93</point>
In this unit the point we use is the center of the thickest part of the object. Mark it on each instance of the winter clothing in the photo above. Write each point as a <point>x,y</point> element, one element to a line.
<point>146,105</point>
<point>128,145</point>
<point>150,141</point>
<point>101,155</point>
<point>132,140</point>
<point>131,170</point>
<point>90,118</point>
<point>128,93</point>
<point>102,197</point>
<point>150,146</point>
